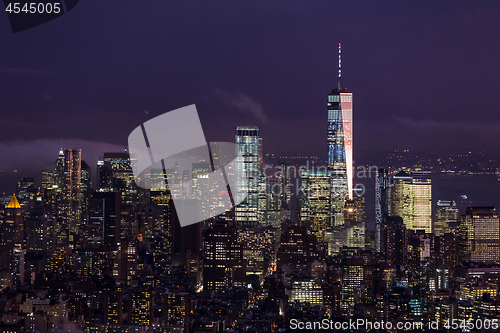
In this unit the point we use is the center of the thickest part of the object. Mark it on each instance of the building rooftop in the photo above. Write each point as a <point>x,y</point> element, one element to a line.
<point>13,203</point>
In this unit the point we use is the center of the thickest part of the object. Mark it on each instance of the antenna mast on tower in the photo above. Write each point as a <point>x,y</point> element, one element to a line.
<point>340,65</point>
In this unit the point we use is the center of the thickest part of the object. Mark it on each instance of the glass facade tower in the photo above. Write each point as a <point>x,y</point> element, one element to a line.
<point>247,145</point>
<point>316,204</point>
<point>480,231</point>
<point>339,139</point>
<point>411,199</point>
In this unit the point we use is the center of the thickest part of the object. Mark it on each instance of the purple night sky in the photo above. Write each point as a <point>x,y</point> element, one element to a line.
<point>424,74</point>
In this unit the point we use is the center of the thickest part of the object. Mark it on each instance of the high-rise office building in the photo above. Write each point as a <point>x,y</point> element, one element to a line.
<point>354,223</point>
<point>216,154</point>
<point>352,279</point>
<point>142,307</point>
<point>13,224</point>
<point>392,241</point>
<point>446,217</point>
<point>285,190</point>
<point>297,248</point>
<point>186,242</point>
<point>68,194</point>
<point>262,200</point>
<point>382,202</point>
<point>223,263</point>
<point>40,233</point>
<point>411,199</point>
<point>340,162</point>
<point>114,173</point>
<point>201,184</point>
<point>247,145</point>
<point>48,190</point>
<point>176,309</point>
<point>315,210</point>
<point>306,290</point>
<point>128,224</point>
<point>25,188</point>
<point>354,209</point>
<point>125,264</point>
<point>72,190</point>
<point>270,204</point>
<point>17,265</point>
<point>104,223</point>
<point>85,186</point>
<point>447,249</point>
<point>480,234</point>
<point>113,308</point>
<point>423,200</point>
<point>258,245</point>
<point>401,199</point>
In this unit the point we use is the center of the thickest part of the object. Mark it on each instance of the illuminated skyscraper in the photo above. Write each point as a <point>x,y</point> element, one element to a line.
<point>114,173</point>
<point>446,214</point>
<point>13,225</point>
<point>224,266</point>
<point>306,290</point>
<point>270,194</point>
<point>68,193</point>
<point>315,202</point>
<point>400,195</point>
<point>340,146</point>
<point>176,309</point>
<point>258,245</point>
<point>59,183</point>
<point>72,182</point>
<point>480,233</point>
<point>423,200</point>
<point>247,145</point>
<point>113,310</point>
<point>142,307</point>
<point>352,279</point>
<point>411,199</point>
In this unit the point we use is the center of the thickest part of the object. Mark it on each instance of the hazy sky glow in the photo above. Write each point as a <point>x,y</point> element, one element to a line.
<point>425,75</point>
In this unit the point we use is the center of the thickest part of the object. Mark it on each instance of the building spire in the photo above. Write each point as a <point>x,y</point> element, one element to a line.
<point>340,66</point>
<point>13,202</point>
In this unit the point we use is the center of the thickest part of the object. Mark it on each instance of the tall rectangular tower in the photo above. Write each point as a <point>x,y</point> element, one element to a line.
<point>316,204</point>
<point>340,145</point>
<point>423,200</point>
<point>480,233</point>
<point>114,173</point>
<point>411,199</point>
<point>12,227</point>
<point>247,145</point>
<point>445,218</point>
<point>68,193</point>
<point>382,200</point>
<point>224,266</point>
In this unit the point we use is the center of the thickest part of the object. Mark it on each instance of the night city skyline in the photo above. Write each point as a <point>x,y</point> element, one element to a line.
<point>362,193</point>
<point>407,64</point>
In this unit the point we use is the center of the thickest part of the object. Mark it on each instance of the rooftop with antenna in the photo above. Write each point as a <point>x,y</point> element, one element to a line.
<point>339,83</point>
